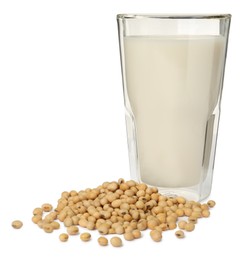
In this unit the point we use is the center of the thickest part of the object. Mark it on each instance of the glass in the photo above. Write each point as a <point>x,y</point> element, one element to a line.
<point>172,70</point>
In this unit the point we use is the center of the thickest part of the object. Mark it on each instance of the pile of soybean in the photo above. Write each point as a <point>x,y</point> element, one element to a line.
<point>123,208</point>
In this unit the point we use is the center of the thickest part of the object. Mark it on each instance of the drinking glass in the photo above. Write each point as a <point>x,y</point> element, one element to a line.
<point>172,71</point>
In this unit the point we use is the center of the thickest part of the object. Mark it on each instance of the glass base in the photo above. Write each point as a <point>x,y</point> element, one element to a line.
<point>190,193</point>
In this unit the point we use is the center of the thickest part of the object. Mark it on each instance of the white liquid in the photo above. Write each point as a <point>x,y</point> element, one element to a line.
<point>173,87</point>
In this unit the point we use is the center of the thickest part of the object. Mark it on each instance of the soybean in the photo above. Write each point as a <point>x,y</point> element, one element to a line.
<point>189,226</point>
<point>48,228</point>
<point>156,235</point>
<point>17,224</point>
<point>72,230</point>
<point>124,208</point>
<point>205,213</point>
<point>85,236</point>
<point>116,241</point>
<point>180,234</point>
<point>211,203</point>
<point>128,236</point>
<point>182,224</point>
<point>136,233</point>
<point>103,241</point>
<point>46,207</point>
<point>63,237</point>
<point>37,211</point>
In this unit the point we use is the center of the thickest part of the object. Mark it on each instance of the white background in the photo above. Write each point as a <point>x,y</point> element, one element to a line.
<point>62,125</point>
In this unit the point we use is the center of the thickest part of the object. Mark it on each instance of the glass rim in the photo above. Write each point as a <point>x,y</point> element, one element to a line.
<point>174,16</point>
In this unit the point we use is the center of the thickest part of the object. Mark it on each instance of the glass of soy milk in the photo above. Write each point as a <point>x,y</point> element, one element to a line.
<point>172,70</point>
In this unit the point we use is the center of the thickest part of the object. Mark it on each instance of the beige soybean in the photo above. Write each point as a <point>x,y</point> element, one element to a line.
<point>142,225</point>
<point>181,200</point>
<point>164,226</point>
<point>193,220</point>
<point>46,207</point>
<point>90,225</point>
<point>119,230</point>
<point>121,207</point>
<point>156,235</point>
<point>128,236</point>
<point>152,223</point>
<point>17,224</point>
<point>129,229</point>
<point>85,236</point>
<point>188,212</point>
<point>73,230</point>
<point>205,213</point>
<point>83,223</point>
<point>116,203</point>
<point>180,212</point>
<point>48,218</point>
<point>38,211</point>
<point>116,241</point>
<point>172,225</point>
<point>120,181</point>
<point>103,241</point>
<point>36,219</point>
<point>189,226</point>
<point>48,228</point>
<point>136,233</point>
<point>204,207</point>
<point>211,203</point>
<point>133,224</point>
<point>55,225</point>
<point>103,228</point>
<point>140,204</point>
<point>112,186</point>
<point>68,222</point>
<point>181,224</point>
<point>179,234</point>
<point>63,237</point>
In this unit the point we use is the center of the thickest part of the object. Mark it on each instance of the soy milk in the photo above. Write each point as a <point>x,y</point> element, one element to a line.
<point>172,85</point>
